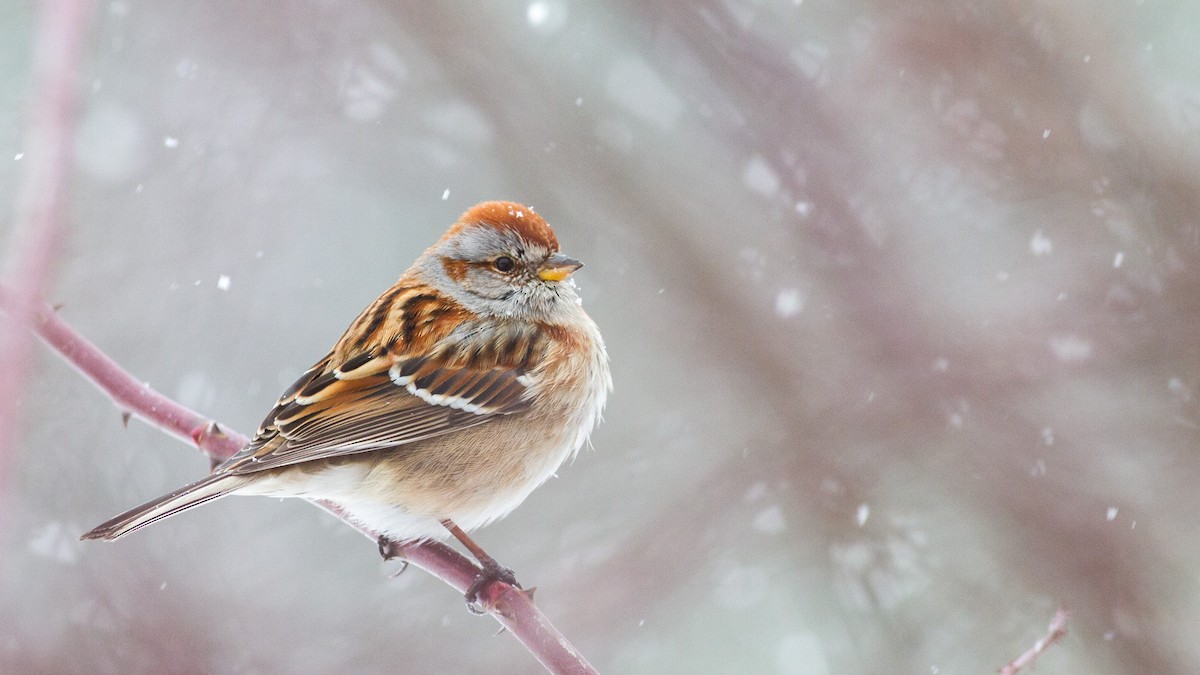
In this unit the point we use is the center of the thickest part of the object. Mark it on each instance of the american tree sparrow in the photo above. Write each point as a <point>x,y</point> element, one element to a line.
<point>448,400</point>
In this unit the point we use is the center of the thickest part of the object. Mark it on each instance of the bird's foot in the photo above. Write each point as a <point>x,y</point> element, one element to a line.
<point>388,550</point>
<point>490,572</point>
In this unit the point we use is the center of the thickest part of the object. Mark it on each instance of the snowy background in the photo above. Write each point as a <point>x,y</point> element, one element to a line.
<point>903,301</point>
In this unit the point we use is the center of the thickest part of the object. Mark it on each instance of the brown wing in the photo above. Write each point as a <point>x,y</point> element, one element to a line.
<point>374,401</point>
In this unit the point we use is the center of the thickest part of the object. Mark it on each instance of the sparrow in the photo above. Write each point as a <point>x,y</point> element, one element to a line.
<point>447,401</point>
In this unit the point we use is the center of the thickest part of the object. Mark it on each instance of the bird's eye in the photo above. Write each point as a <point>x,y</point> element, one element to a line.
<point>504,263</point>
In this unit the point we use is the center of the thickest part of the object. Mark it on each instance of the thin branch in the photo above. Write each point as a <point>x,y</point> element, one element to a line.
<point>41,201</point>
<point>512,607</point>
<point>1056,632</point>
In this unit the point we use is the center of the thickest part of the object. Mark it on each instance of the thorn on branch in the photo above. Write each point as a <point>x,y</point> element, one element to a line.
<point>202,436</point>
<point>125,417</point>
<point>210,430</point>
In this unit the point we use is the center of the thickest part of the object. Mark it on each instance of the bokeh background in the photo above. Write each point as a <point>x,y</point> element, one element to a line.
<point>903,303</point>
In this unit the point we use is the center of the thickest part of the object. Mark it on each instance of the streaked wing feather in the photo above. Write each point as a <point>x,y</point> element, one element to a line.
<point>378,402</point>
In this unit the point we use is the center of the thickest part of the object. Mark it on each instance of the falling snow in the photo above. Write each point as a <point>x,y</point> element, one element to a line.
<point>789,302</point>
<point>1040,244</point>
<point>759,177</point>
<point>839,288</point>
<point>1070,348</point>
<point>546,16</point>
<point>770,520</point>
<point>1179,389</point>
<point>861,514</point>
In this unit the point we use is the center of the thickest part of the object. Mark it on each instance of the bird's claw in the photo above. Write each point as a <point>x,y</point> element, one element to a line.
<point>487,575</point>
<point>388,552</point>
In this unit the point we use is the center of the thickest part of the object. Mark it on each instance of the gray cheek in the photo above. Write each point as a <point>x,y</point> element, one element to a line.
<point>486,285</point>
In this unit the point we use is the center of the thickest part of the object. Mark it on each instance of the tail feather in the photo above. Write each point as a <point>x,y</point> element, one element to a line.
<point>201,492</point>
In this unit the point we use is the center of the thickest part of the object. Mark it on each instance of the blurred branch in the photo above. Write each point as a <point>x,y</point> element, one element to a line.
<point>41,200</point>
<point>512,607</point>
<point>1056,632</point>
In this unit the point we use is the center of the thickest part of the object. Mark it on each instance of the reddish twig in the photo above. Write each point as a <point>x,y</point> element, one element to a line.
<point>510,606</point>
<point>40,203</point>
<point>1056,631</point>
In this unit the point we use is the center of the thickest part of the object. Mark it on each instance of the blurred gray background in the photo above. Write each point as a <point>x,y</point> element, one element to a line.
<point>902,301</point>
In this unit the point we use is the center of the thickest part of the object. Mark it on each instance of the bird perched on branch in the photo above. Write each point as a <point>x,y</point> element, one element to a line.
<point>445,403</point>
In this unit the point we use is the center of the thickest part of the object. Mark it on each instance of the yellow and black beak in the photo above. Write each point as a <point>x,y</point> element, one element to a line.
<point>558,267</point>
